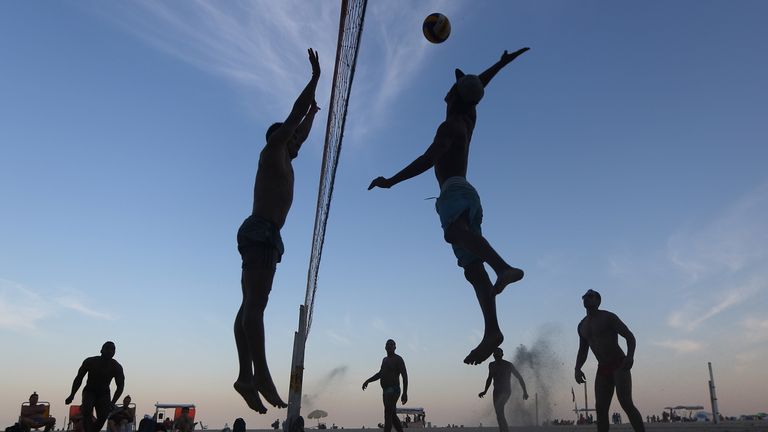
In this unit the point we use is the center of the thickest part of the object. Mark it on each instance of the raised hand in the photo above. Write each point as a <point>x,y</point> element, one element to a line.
<point>314,60</point>
<point>507,57</point>
<point>314,108</point>
<point>380,182</point>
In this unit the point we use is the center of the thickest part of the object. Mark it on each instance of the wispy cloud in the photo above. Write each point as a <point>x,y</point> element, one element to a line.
<point>339,339</point>
<point>77,305</point>
<point>681,346</point>
<point>755,329</point>
<point>261,46</point>
<point>22,309</point>
<point>724,263</point>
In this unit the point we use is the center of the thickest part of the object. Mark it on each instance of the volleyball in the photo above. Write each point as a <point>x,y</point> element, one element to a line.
<point>436,28</point>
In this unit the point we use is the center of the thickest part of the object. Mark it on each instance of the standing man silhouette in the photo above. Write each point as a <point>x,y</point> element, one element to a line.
<point>101,370</point>
<point>500,373</point>
<point>600,331</point>
<point>392,367</point>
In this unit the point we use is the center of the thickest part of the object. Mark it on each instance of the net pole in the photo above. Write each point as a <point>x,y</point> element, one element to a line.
<point>351,20</point>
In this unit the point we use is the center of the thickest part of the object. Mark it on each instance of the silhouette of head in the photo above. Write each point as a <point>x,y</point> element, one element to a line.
<point>238,425</point>
<point>498,353</point>
<point>33,398</point>
<point>127,400</point>
<point>390,346</point>
<point>108,349</point>
<point>465,94</point>
<point>591,299</point>
<point>293,142</point>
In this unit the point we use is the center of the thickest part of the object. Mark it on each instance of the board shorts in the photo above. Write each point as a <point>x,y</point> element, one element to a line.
<point>395,390</point>
<point>259,243</point>
<point>457,196</point>
<point>608,369</point>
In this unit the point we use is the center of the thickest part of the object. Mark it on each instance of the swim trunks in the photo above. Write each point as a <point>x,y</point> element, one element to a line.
<point>259,243</point>
<point>607,369</point>
<point>391,390</point>
<point>457,196</point>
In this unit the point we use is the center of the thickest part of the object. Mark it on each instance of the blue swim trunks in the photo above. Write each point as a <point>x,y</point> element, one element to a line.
<point>259,243</point>
<point>456,197</point>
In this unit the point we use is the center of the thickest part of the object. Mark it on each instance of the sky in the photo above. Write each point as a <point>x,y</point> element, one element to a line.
<point>625,152</point>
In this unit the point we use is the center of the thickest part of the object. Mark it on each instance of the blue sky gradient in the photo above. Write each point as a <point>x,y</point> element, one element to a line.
<point>626,152</point>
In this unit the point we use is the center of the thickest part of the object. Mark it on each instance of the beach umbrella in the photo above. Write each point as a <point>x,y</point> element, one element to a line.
<point>317,414</point>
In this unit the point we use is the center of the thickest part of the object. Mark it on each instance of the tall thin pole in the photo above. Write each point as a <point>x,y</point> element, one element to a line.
<point>536,397</point>
<point>297,373</point>
<point>713,396</point>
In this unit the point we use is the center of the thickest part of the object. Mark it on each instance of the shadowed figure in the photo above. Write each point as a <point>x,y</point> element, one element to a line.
<point>459,204</point>
<point>33,415</point>
<point>389,377</point>
<point>121,417</point>
<point>260,244</point>
<point>101,370</point>
<point>500,373</point>
<point>600,331</point>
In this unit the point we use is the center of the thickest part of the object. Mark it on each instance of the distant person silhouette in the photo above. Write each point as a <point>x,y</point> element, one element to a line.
<point>33,416</point>
<point>459,205</point>
<point>101,370</point>
<point>260,244</point>
<point>500,373</point>
<point>600,331</point>
<point>392,367</point>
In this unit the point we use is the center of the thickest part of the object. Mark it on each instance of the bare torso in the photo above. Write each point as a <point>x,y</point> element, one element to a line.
<point>457,131</point>
<point>599,329</point>
<point>273,190</point>
<point>391,368</point>
<point>501,371</point>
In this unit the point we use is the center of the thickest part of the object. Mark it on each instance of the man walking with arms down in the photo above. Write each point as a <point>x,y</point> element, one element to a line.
<point>459,204</point>
<point>500,373</point>
<point>260,244</point>
<point>600,331</point>
<point>101,370</point>
<point>389,376</point>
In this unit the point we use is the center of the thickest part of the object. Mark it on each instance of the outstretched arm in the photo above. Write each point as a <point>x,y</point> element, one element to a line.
<point>302,105</point>
<point>581,358</point>
<point>520,380</point>
<point>302,131</point>
<point>488,381</point>
<point>623,330</point>
<point>371,379</point>
<point>506,58</point>
<point>439,146</point>
<point>77,383</point>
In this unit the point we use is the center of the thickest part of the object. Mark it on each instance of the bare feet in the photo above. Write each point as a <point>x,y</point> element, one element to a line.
<point>266,387</point>
<point>248,392</point>
<point>506,277</point>
<point>485,348</point>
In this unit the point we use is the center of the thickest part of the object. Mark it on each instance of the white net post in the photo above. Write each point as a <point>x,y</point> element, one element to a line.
<point>350,30</point>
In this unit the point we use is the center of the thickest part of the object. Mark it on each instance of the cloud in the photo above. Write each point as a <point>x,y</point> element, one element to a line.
<point>696,311</point>
<point>23,309</point>
<point>260,46</point>
<point>755,329</point>
<point>724,263</point>
<point>20,308</point>
<point>681,346</point>
<point>77,305</point>
<point>339,339</point>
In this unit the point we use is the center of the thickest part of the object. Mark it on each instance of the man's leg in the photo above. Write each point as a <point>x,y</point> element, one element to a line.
<point>459,233</point>
<point>86,411</point>
<point>499,401</point>
<point>623,380</point>
<point>244,384</point>
<point>257,283</point>
<point>390,416</point>
<point>492,337</point>
<point>103,407</point>
<point>603,394</point>
<point>50,422</point>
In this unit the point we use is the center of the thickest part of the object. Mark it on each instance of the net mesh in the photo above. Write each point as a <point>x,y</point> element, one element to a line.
<point>350,30</point>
